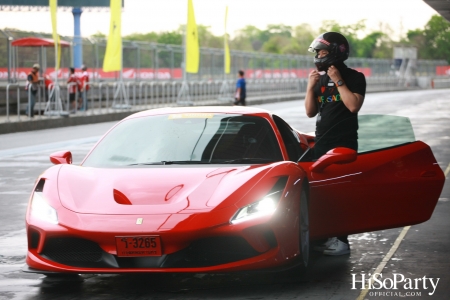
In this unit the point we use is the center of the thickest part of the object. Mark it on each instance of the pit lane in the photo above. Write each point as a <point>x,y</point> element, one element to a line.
<point>421,252</point>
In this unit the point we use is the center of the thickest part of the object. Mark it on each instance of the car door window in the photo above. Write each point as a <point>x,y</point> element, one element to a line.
<point>375,132</point>
<point>383,131</point>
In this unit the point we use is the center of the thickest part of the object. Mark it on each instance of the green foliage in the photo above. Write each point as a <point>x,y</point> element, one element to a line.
<point>275,44</point>
<point>433,42</point>
<point>207,39</point>
<point>303,36</point>
<point>142,37</point>
<point>170,38</point>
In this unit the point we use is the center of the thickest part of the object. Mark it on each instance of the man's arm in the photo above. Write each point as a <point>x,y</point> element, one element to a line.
<point>353,101</point>
<point>310,101</point>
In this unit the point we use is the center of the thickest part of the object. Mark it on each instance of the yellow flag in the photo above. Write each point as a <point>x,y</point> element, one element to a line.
<point>113,55</point>
<point>192,47</point>
<point>227,48</point>
<point>53,5</point>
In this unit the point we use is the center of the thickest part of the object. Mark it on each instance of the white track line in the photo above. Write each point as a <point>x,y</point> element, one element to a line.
<point>384,261</point>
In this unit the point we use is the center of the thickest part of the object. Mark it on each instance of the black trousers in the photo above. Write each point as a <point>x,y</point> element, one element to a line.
<point>240,101</point>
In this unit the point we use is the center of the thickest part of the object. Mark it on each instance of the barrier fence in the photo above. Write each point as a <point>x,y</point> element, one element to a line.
<point>152,77</point>
<point>103,97</point>
<point>161,62</point>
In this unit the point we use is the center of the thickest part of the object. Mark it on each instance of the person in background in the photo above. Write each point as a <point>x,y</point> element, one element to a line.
<point>84,88</point>
<point>73,85</point>
<point>335,93</point>
<point>32,88</point>
<point>48,84</point>
<point>241,90</point>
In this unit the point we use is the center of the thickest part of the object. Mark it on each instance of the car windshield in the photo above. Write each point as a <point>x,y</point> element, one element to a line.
<point>189,138</point>
<point>375,132</point>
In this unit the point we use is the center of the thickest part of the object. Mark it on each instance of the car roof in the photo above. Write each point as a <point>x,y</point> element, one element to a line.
<point>203,109</point>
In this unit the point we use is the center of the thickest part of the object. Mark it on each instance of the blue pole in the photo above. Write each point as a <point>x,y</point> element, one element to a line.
<point>77,43</point>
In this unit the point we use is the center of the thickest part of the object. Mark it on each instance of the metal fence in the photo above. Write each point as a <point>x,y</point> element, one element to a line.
<point>138,56</point>
<point>273,77</point>
<point>104,97</point>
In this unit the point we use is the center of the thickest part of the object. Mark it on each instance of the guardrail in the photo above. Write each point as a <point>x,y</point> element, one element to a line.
<point>102,98</point>
<point>16,85</point>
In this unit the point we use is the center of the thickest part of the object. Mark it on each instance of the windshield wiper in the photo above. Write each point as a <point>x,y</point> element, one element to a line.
<point>172,162</point>
<point>182,162</point>
<point>247,160</point>
<point>145,164</point>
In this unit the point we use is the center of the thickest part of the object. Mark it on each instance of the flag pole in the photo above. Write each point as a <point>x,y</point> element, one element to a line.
<point>183,97</point>
<point>224,94</point>
<point>224,46</point>
<point>56,108</point>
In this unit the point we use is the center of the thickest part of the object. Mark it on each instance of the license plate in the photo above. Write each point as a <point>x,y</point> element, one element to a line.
<point>145,245</point>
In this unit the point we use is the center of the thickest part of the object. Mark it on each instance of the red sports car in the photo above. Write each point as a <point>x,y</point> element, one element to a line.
<point>214,189</point>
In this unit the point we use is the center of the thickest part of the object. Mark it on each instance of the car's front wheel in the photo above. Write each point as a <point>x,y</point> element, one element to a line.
<point>304,227</point>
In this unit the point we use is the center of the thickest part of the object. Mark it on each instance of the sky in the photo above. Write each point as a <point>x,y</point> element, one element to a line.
<point>143,16</point>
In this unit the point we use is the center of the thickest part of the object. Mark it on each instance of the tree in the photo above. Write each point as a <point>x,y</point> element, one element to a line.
<point>142,37</point>
<point>437,38</point>
<point>373,44</point>
<point>275,44</point>
<point>253,35</point>
<point>433,42</point>
<point>170,38</point>
<point>303,36</point>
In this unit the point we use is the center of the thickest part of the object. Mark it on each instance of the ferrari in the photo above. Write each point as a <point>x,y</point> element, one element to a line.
<point>218,189</point>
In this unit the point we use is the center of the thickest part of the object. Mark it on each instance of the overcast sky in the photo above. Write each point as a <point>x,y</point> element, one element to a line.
<point>142,16</point>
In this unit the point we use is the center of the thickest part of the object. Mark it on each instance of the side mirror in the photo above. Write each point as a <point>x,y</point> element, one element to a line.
<point>61,157</point>
<point>338,155</point>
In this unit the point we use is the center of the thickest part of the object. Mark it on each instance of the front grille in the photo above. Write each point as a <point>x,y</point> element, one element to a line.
<point>206,252</point>
<point>72,251</point>
<point>212,251</point>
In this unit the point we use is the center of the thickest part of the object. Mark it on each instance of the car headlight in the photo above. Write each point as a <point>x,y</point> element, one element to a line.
<point>263,207</point>
<point>42,210</point>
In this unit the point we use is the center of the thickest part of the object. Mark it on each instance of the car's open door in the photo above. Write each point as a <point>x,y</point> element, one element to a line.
<point>392,181</point>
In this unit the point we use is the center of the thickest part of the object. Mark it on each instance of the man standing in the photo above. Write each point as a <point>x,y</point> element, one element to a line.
<point>32,88</point>
<point>241,91</point>
<point>84,83</point>
<point>335,94</point>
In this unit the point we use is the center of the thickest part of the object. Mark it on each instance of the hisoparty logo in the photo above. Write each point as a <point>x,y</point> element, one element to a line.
<point>398,282</point>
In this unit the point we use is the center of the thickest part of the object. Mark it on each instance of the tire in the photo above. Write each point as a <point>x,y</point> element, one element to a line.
<point>304,227</point>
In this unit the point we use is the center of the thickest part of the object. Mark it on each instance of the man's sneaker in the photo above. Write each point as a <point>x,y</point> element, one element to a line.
<point>322,247</point>
<point>337,248</point>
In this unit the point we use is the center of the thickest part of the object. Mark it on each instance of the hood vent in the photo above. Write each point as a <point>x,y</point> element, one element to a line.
<point>121,198</point>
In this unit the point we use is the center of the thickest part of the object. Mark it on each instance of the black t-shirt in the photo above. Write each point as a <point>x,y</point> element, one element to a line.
<point>333,110</point>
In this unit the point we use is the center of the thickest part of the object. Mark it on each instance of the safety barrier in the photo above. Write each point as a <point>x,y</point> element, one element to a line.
<point>14,85</point>
<point>104,97</point>
<point>440,83</point>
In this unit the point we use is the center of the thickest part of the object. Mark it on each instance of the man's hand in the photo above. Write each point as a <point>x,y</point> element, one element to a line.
<point>334,74</point>
<point>313,78</point>
<point>310,101</point>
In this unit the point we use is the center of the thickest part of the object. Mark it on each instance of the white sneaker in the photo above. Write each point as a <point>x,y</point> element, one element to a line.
<point>337,248</point>
<point>322,247</point>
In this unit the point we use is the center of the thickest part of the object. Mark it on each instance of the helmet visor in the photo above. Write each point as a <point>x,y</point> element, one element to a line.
<point>319,44</point>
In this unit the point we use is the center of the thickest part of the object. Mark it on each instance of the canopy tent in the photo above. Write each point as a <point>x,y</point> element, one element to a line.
<point>28,47</point>
<point>37,42</point>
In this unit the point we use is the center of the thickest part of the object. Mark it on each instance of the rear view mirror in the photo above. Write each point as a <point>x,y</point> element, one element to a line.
<point>338,155</point>
<point>61,157</point>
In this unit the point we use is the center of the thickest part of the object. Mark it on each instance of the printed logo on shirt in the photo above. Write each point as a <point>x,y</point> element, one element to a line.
<point>331,98</point>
